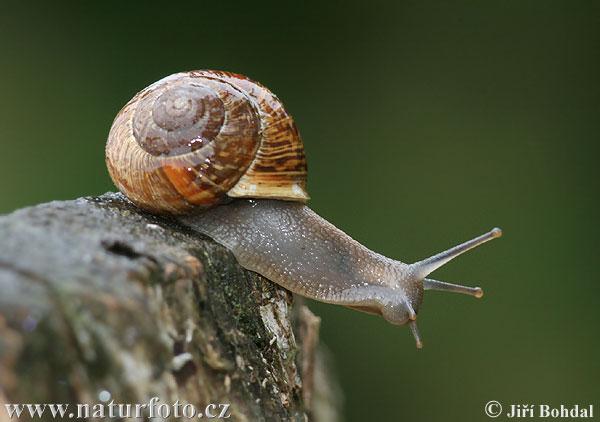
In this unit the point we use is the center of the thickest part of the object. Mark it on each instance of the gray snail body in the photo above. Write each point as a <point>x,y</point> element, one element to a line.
<point>257,159</point>
<point>290,244</point>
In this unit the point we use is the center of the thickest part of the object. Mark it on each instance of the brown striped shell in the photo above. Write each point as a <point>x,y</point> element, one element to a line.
<point>193,139</point>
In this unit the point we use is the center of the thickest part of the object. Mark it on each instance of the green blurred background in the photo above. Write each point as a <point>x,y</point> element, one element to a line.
<point>425,123</point>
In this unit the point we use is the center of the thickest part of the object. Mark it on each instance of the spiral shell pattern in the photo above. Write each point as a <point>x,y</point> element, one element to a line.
<point>193,139</point>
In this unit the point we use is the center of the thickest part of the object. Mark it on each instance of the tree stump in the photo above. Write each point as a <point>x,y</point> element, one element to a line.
<point>99,299</point>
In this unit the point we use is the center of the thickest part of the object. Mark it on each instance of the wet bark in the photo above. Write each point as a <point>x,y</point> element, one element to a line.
<point>98,298</point>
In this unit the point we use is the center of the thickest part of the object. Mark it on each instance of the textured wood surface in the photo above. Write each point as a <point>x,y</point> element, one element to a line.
<point>98,296</point>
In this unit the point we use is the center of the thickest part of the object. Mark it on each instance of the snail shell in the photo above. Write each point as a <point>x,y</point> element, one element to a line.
<point>194,139</point>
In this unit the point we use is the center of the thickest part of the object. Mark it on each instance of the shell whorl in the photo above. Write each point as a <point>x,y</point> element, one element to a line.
<point>179,118</point>
<point>192,139</point>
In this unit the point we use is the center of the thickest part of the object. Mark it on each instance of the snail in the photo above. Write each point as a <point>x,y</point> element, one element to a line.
<point>220,151</point>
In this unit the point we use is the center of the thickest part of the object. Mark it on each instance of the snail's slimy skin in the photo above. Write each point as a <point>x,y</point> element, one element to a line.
<point>290,244</point>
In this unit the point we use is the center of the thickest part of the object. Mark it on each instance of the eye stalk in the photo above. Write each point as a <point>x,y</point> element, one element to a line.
<point>431,284</point>
<point>429,265</point>
<point>422,269</point>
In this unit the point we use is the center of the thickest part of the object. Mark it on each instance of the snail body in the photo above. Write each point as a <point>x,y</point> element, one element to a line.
<point>221,151</point>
